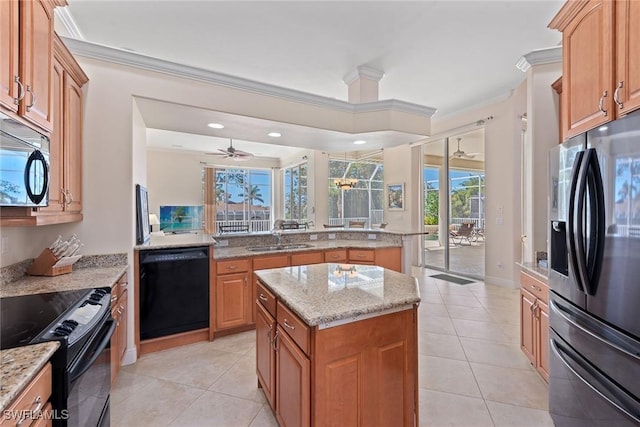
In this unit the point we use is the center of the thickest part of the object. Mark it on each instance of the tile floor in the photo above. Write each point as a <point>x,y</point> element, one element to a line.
<point>471,370</point>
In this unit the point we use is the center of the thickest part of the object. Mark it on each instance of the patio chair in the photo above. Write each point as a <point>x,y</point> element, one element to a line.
<point>333,225</point>
<point>465,232</point>
<point>356,224</point>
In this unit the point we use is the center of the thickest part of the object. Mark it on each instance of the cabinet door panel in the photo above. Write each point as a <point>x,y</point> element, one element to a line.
<point>73,144</point>
<point>265,355</point>
<point>293,402</point>
<point>627,48</point>
<point>56,153</point>
<point>527,336</point>
<point>588,68</point>
<point>9,48</point>
<point>232,300</point>
<point>36,62</point>
<point>542,356</point>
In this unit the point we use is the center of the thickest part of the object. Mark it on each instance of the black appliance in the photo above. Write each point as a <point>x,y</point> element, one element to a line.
<point>24,165</point>
<point>594,245</point>
<point>81,321</point>
<point>174,291</point>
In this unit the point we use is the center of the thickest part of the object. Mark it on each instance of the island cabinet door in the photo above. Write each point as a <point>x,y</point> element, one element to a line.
<point>293,383</point>
<point>265,354</point>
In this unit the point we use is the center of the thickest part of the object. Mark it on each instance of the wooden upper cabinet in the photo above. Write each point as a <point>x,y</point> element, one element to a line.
<point>627,80</point>
<point>9,54</point>
<point>36,62</point>
<point>73,144</point>
<point>601,68</point>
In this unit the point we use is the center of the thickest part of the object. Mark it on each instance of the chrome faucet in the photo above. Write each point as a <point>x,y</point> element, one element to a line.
<point>278,236</point>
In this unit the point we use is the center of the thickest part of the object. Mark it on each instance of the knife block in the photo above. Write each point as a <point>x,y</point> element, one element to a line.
<point>44,265</point>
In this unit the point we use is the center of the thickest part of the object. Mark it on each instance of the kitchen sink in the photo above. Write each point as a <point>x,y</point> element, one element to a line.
<point>284,247</point>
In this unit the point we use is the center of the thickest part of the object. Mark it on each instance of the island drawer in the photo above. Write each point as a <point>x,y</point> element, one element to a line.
<point>232,266</point>
<point>538,288</point>
<point>359,255</point>
<point>266,298</point>
<point>338,255</point>
<point>295,327</point>
<point>35,395</point>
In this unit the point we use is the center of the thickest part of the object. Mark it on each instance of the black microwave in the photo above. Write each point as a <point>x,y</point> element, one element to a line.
<point>24,165</point>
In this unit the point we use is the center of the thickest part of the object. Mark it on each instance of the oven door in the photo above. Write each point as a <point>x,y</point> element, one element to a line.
<point>90,381</point>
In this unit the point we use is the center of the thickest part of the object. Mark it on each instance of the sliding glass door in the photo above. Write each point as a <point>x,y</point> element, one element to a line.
<point>453,208</point>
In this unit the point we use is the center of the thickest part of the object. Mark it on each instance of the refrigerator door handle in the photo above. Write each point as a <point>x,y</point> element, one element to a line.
<point>579,233</point>
<point>596,222</point>
<point>571,226</point>
<point>600,384</point>
<point>589,327</point>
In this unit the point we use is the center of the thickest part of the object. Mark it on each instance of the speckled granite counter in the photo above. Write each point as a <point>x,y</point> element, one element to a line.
<point>19,366</point>
<point>240,252</point>
<point>540,272</point>
<point>96,277</point>
<point>324,293</point>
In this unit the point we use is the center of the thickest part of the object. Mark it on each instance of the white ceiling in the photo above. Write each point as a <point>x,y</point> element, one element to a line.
<point>450,55</point>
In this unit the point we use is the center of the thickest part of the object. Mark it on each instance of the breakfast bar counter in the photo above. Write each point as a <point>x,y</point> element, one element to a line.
<point>336,344</point>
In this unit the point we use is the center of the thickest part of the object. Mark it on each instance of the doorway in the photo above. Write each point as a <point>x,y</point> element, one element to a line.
<point>454,204</point>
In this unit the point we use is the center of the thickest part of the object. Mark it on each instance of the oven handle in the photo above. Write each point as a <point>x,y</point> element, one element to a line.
<point>77,371</point>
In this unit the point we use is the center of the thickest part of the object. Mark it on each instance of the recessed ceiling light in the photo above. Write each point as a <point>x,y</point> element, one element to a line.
<point>603,128</point>
<point>275,134</point>
<point>216,125</point>
<point>360,142</point>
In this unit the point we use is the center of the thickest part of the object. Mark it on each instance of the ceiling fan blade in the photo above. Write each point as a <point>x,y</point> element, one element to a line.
<point>242,153</point>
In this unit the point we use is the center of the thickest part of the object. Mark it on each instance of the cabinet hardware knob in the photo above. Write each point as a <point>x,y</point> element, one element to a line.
<point>33,98</point>
<point>68,195</point>
<point>263,298</point>
<point>20,90</point>
<point>63,199</point>
<point>275,341</point>
<point>615,95</point>
<point>288,325</point>
<point>601,102</point>
<point>37,402</point>
<point>232,267</point>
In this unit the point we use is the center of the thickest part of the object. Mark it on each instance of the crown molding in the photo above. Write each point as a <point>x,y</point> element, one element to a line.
<point>547,55</point>
<point>363,71</point>
<point>149,63</point>
<point>64,17</point>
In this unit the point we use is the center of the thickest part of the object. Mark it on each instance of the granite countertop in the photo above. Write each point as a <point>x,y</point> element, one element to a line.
<point>324,293</point>
<point>82,278</point>
<point>530,267</point>
<point>220,253</point>
<point>19,366</point>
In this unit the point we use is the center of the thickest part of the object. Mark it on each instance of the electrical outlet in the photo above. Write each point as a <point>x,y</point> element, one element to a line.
<point>222,243</point>
<point>5,245</point>
<point>332,236</point>
<point>313,237</point>
<point>372,236</point>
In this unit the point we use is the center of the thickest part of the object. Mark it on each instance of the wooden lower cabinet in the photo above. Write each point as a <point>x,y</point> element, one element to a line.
<point>36,392</point>
<point>233,301</point>
<point>119,302</point>
<point>390,258</point>
<point>293,383</point>
<point>360,373</point>
<point>307,258</point>
<point>534,323</point>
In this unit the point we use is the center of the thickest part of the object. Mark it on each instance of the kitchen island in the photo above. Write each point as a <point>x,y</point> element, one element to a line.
<point>337,345</point>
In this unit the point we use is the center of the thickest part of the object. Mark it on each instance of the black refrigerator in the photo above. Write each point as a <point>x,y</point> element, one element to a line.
<point>594,276</point>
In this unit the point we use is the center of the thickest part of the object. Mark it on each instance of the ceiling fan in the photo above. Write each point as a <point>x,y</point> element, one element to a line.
<point>460,154</point>
<point>232,153</point>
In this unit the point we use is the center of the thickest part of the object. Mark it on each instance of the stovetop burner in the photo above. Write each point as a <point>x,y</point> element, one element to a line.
<point>25,317</point>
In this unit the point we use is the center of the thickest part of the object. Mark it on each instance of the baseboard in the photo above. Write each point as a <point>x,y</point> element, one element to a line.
<point>498,281</point>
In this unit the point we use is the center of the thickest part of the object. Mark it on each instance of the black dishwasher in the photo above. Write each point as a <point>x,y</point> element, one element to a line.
<point>174,291</point>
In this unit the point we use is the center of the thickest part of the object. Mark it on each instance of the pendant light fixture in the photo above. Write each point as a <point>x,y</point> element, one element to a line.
<point>345,183</point>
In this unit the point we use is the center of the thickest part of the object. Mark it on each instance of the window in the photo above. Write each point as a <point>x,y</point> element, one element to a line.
<point>242,200</point>
<point>295,193</point>
<point>365,201</point>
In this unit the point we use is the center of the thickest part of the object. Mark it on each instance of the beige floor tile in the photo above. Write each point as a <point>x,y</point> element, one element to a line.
<point>237,343</point>
<point>430,298</point>
<point>516,416</point>
<point>156,404</point>
<point>436,324</point>
<point>127,384</point>
<point>440,345</point>
<point>497,302</point>
<point>483,330</point>
<point>200,367</point>
<point>432,309</point>
<point>240,381</point>
<point>265,418</point>
<point>494,353</point>
<point>469,313</point>
<point>452,376</point>
<point>217,409</point>
<point>514,386</point>
<point>509,315</point>
<point>438,409</point>
<point>461,300</point>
